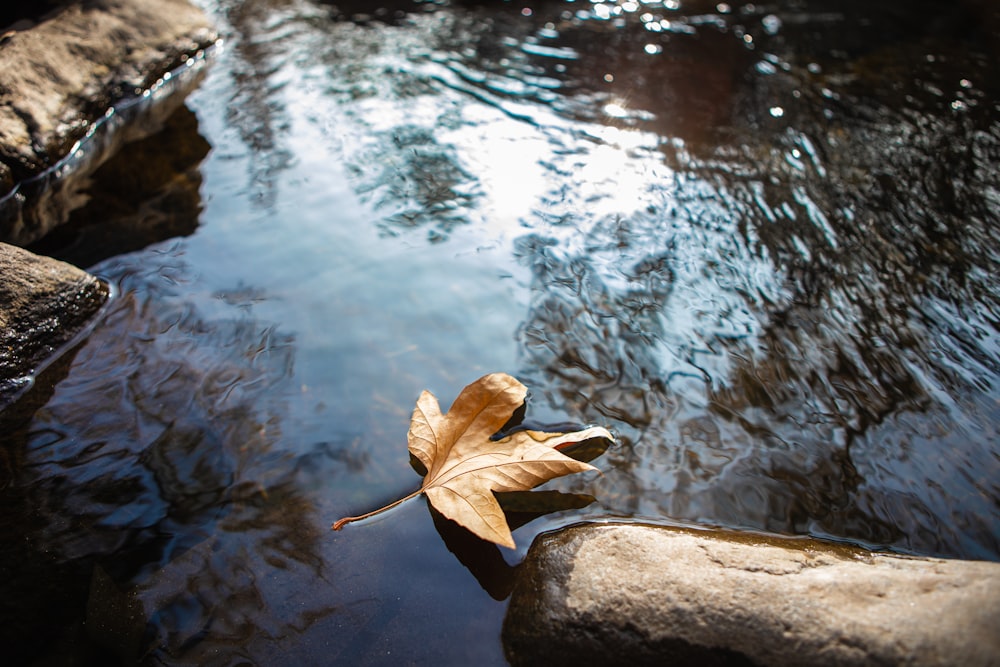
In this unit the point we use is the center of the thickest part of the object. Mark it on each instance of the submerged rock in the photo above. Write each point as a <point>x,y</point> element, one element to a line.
<point>44,305</point>
<point>642,595</point>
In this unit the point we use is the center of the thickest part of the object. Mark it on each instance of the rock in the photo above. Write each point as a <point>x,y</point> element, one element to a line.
<point>44,305</point>
<point>642,595</point>
<point>64,72</point>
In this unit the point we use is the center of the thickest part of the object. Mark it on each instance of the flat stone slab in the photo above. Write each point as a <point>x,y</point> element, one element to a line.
<point>643,595</point>
<point>44,305</point>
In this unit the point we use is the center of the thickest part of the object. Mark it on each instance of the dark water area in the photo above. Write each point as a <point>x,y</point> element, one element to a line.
<point>25,12</point>
<point>757,241</point>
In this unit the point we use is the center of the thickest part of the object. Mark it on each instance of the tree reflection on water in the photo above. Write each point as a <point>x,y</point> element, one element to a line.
<point>822,318</point>
<point>162,469</point>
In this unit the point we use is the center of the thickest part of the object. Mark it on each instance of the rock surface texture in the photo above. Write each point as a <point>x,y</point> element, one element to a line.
<point>644,595</point>
<point>44,305</point>
<point>58,76</point>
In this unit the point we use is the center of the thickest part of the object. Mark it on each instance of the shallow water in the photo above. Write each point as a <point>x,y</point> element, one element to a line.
<point>758,242</point>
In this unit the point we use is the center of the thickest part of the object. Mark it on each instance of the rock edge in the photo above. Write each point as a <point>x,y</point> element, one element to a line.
<point>44,305</point>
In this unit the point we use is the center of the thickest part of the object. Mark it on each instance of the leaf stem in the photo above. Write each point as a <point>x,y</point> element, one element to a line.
<point>340,523</point>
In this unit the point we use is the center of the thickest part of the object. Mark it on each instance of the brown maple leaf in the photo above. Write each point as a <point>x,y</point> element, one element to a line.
<point>465,466</point>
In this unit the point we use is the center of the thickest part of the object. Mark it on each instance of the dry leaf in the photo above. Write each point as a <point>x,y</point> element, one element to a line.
<point>465,467</point>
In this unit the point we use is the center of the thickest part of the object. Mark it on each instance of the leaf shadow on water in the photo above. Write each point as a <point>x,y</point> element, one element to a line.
<point>484,560</point>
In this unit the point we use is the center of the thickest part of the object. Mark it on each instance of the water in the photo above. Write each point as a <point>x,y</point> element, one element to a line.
<point>757,241</point>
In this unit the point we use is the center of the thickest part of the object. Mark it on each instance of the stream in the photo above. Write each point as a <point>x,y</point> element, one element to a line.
<point>759,242</point>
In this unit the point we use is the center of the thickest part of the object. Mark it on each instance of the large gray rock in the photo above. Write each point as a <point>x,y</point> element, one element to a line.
<point>643,595</point>
<point>44,305</point>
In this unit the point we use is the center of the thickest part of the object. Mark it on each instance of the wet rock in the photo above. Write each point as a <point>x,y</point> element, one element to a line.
<point>44,305</point>
<point>629,594</point>
<point>60,74</point>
